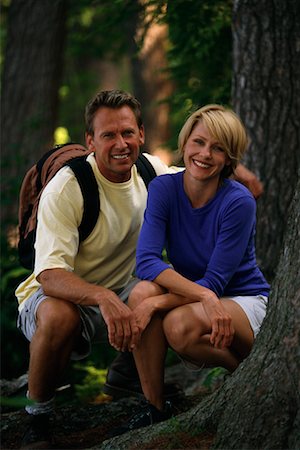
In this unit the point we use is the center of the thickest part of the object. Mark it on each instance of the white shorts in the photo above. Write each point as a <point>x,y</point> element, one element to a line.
<point>255,308</point>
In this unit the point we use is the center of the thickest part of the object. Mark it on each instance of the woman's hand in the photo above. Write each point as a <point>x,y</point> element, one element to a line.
<point>143,313</point>
<point>222,330</point>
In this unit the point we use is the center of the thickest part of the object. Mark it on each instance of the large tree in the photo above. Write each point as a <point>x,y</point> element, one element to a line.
<point>30,81</point>
<point>266,94</point>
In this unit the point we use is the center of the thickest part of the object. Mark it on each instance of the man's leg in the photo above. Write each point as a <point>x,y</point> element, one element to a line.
<point>57,330</point>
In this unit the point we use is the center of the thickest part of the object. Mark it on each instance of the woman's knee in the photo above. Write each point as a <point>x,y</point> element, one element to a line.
<point>178,331</point>
<point>143,290</point>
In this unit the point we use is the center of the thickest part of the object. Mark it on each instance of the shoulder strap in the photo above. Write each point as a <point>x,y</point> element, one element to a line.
<point>145,169</point>
<point>89,188</point>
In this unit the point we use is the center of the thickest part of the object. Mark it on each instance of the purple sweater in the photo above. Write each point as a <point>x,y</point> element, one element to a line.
<point>212,245</point>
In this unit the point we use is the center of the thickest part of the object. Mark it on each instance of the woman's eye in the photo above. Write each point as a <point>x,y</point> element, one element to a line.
<point>217,148</point>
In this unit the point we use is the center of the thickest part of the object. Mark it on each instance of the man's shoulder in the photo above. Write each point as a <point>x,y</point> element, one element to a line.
<point>63,180</point>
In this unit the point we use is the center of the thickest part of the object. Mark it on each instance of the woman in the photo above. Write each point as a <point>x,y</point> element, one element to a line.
<point>208,305</point>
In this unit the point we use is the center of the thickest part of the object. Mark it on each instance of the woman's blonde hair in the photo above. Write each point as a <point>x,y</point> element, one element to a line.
<point>224,126</point>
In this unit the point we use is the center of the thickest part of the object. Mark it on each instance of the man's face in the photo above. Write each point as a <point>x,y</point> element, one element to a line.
<point>116,142</point>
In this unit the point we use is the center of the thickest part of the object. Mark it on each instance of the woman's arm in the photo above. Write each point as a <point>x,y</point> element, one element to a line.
<point>185,291</point>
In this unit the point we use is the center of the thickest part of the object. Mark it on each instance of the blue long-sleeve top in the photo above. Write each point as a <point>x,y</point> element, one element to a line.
<point>212,245</point>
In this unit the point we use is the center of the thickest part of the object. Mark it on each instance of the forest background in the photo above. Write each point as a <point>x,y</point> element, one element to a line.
<point>127,44</point>
<point>174,56</point>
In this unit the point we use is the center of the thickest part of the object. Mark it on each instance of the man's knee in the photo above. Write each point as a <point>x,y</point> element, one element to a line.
<point>58,318</point>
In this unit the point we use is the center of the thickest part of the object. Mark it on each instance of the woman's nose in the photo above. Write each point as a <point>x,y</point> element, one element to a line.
<point>205,151</point>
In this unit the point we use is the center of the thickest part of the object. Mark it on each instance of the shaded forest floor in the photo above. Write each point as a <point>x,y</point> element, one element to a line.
<point>85,426</point>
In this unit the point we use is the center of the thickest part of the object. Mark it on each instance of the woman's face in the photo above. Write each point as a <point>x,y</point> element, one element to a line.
<point>203,156</point>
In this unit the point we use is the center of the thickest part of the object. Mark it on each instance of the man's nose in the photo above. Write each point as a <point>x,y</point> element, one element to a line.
<point>121,142</point>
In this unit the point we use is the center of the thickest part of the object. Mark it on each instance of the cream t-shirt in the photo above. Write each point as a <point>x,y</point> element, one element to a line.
<point>107,256</point>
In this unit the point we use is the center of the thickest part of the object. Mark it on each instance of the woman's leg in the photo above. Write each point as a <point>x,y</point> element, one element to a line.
<point>151,351</point>
<point>188,329</point>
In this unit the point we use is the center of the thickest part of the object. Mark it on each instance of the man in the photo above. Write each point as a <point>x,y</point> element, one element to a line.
<point>78,292</point>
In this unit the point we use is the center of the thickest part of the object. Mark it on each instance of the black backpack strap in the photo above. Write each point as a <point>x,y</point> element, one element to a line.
<point>90,192</point>
<point>145,169</point>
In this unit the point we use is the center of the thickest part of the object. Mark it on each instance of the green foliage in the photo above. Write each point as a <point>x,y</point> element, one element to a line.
<point>199,63</point>
<point>214,376</point>
<point>14,347</point>
<point>199,55</point>
<point>97,31</point>
<point>14,403</point>
<point>92,383</point>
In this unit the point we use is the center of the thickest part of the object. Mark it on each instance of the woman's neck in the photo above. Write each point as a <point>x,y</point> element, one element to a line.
<point>200,192</point>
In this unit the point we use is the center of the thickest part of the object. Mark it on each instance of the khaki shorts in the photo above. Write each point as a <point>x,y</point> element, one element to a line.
<point>93,327</point>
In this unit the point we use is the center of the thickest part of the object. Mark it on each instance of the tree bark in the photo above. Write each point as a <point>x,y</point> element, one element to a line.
<point>266,95</point>
<point>31,75</point>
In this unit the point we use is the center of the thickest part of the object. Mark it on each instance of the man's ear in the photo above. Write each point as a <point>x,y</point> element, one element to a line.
<point>142,135</point>
<point>89,140</point>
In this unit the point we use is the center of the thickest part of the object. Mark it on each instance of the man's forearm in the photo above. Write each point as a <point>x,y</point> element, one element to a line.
<point>249,179</point>
<point>59,283</point>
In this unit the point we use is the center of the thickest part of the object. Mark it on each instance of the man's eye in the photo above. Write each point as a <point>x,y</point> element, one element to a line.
<point>128,133</point>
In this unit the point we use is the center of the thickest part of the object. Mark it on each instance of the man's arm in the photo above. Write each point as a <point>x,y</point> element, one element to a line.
<point>122,329</point>
<point>249,179</point>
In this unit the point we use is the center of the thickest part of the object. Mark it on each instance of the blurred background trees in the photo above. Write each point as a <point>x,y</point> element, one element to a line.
<point>56,54</point>
<point>174,56</point>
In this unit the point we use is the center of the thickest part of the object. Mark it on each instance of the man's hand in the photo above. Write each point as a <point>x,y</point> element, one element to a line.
<point>123,332</point>
<point>249,179</point>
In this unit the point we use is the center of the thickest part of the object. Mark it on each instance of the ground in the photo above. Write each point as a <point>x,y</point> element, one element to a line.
<point>84,426</point>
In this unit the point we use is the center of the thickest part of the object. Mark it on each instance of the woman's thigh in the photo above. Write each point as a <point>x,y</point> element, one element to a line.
<point>243,334</point>
<point>191,320</point>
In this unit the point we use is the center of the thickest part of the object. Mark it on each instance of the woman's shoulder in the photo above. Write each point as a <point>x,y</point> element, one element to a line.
<point>237,190</point>
<point>237,197</point>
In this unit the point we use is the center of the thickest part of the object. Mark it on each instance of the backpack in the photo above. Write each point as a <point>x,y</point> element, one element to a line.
<point>37,177</point>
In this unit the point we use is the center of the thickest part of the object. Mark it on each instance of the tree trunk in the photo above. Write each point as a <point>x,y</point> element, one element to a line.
<point>266,94</point>
<point>31,75</point>
<point>151,84</point>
